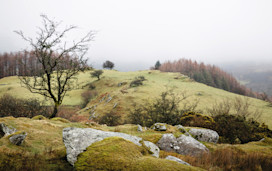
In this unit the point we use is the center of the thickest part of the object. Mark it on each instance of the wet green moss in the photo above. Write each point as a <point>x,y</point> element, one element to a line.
<point>39,117</point>
<point>60,119</point>
<point>118,154</point>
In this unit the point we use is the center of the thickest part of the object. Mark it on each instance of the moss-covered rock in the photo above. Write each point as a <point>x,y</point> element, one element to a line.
<point>60,119</point>
<point>39,117</point>
<point>197,120</point>
<point>119,154</point>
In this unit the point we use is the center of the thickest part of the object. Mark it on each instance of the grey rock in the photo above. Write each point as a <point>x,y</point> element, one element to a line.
<point>206,135</point>
<point>140,128</point>
<point>261,140</point>
<point>182,130</point>
<point>103,98</point>
<point>76,140</point>
<point>5,130</point>
<point>153,148</point>
<point>177,160</point>
<point>184,145</point>
<point>92,116</point>
<point>18,139</point>
<point>115,105</point>
<point>109,99</point>
<point>159,127</point>
<point>179,126</point>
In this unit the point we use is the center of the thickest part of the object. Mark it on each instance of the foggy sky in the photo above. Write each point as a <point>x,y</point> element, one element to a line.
<point>135,34</point>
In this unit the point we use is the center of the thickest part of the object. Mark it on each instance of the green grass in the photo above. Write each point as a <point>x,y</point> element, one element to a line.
<point>118,154</point>
<point>156,83</point>
<point>42,149</point>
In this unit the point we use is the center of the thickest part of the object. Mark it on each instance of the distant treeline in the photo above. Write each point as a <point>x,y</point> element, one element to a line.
<point>18,63</point>
<point>210,75</point>
<point>23,64</point>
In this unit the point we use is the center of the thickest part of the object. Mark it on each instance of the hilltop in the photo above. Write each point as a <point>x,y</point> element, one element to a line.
<point>114,88</point>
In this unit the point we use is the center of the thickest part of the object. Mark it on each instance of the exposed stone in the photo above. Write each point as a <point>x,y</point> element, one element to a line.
<point>109,99</point>
<point>5,130</point>
<point>76,140</point>
<point>263,139</point>
<point>206,135</point>
<point>121,83</point>
<point>184,145</point>
<point>153,148</point>
<point>177,160</point>
<point>103,98</point>
<point>115,105</point>
<point>18,139</point>
<point>181,128</point>
<point>140,128</point>
<point>159,127</point>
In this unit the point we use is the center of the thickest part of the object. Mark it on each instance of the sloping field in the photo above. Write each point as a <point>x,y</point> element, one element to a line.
<point>123,97</point>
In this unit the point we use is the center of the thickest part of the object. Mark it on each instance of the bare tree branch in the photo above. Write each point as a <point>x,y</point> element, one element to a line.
<point>59,63</point>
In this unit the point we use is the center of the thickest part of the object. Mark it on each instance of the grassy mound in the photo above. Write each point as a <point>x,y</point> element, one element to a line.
<point>42,149</point>
<point>118,154</point>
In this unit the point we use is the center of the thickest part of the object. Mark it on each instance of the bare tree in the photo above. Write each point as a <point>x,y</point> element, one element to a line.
<point>59,62</point>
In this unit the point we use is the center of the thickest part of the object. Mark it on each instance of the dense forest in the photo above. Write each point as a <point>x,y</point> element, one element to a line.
<point>23,64</point>
<point>18,64</point>
<point>210,75</point>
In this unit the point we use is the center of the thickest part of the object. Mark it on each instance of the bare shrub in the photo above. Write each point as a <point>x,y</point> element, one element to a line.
<point>137,81</point>
<point>87,96</point>
<point>166,108</point>
<point>239,106</point>
<point>111,119</point>
<point>67,112</point>
<point>78,118</point>
<point>11,106</point>
<point>231,158</point>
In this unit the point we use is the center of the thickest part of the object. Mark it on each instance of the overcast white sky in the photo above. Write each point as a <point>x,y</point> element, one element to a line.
<point>140,32</point>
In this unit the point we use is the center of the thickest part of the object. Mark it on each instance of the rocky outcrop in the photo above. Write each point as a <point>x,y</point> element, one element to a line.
<point>182,130</point>
<point>5,130</point>
<point>139,128</point>
<point>159,127</point>
<point>177,160</point>
<point>184,145</point>
<point>153,148</point>
<point>76,140</point>
<point>18,139</point>
<point>206,135</point>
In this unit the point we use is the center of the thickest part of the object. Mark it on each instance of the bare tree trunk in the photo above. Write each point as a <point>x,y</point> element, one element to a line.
<point>55,111</point>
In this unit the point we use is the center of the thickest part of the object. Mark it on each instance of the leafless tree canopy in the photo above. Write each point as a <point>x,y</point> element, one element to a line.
<point>59,62</point>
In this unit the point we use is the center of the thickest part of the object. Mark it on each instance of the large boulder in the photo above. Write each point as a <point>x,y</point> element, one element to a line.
<point>5,130</point>
<point>177,160</point>
<point>184,145</point>
<point>18,139</point>
<point>182,130</point>
<point>153,148</point>
<point>159,127</point>
<point>206,135</point>
<point>76,140</point>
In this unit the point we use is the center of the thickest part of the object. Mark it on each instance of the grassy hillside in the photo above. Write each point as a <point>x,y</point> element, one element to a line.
<point>156,83</point>
<point>43,149</point>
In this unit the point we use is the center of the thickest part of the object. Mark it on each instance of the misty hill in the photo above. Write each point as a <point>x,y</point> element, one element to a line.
<point>257,76</point>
